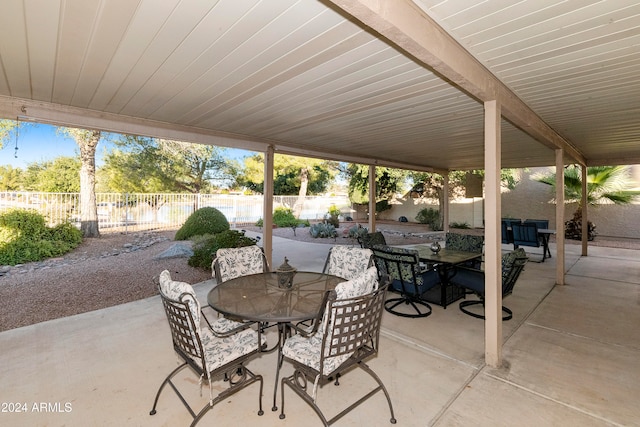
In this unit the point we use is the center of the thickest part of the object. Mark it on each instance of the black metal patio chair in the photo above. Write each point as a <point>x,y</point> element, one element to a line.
<point>209,357</point>
<point>409,279</point>
<point>348,336</point>
<point>472,279</point>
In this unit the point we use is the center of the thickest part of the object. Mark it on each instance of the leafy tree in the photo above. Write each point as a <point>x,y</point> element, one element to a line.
<point>148,165</point>
<point>87,141</point>
<point>389,182</point>
<point>10,178</point>
<point>60,175</point>
<point>605,184</point>
<point>6,129</point>
<point>291,174</point>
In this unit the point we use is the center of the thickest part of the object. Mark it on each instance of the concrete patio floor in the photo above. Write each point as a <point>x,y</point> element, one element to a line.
<point>571,357</point>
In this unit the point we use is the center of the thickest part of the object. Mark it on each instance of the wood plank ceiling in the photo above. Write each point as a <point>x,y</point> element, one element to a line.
<point>308,78</point>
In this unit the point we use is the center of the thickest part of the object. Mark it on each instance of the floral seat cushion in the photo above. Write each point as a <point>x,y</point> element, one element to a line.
<point>348,262</point>
<point>236,262</point>
<point>220,351</point>
<point>180,291</point>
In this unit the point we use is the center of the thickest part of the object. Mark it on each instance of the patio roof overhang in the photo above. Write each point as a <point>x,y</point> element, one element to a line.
<point>398,83</point>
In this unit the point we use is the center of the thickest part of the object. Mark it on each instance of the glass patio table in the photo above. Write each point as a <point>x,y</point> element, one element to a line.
<point>259,298</point>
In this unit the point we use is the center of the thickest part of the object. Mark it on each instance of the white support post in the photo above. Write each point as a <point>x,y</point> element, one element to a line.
<point>372,198</point>
<point>585,215</point>
<point>560,216</point>
<point>267,214</point>
<point>445,208</point>
<point>492,240</point>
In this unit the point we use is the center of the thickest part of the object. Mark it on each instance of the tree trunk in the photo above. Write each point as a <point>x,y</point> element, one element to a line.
<point>88,208</point>
<point>304,182</point>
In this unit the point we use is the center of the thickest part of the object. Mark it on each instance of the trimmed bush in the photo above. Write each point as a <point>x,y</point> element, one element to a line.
<point>25,237</point>
<point>206,246</point>
<point>203,221</point>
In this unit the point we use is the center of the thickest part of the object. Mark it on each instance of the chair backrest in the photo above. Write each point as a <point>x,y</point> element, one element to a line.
<point>402,266</point>
<point>541,223</point>
<point>353,327</point>
<point>507,233</point>
<point>183,311</point>
<point>348,262</point>
<point>512,265</point>
<point>369,240</point>
<point>464,242</point>
<point>525,235</point>
<point>230,263</point>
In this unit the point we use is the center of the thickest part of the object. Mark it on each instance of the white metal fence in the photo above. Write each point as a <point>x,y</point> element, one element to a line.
<point>136,212</point>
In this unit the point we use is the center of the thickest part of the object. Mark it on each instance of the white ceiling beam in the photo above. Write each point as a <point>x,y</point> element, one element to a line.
<point>408,27</point>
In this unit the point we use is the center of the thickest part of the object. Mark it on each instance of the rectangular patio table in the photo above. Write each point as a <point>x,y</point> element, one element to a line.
<point>259,298</point>
<point>445,262</point>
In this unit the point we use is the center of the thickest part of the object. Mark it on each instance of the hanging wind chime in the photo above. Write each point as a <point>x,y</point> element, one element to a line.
<point>15,154</point>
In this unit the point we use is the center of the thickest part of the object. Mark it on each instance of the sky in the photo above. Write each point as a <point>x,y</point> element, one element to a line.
<point>41,142</point>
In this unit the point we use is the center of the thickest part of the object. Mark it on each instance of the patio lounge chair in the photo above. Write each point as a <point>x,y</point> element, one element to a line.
<point>209,357</point>
<point>473,280</point>
<point>348,336</point>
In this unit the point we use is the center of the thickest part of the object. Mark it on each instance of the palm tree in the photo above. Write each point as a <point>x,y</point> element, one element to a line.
<point>605,184</point>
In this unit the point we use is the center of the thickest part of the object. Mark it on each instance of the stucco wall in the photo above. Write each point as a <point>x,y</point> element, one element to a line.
<point>530,199</point>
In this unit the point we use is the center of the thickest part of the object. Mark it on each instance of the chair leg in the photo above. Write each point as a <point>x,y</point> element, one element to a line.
<point>168,381</point>
<point>465,304</point>
<point>246,378</point>
<point>299,384</point>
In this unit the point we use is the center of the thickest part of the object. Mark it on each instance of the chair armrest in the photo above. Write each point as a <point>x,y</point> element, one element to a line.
<point>316,321</point>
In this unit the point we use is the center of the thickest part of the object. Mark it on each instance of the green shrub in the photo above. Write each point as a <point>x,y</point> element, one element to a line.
<point>203,221</point>
<point>27,222</point>
<point>25,237</point>
<point>323,230</point>
<point>431,217</point>
<point>66,233</point>
<point>464,225</point>
<point>333,216</point>
<point>283,217</point>
<point>206,246</point>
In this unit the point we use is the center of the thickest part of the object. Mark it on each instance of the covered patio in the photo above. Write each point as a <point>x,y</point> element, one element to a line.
<point>570,358</point>
<point>424,85</point>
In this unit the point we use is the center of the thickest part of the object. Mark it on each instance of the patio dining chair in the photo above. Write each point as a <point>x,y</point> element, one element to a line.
<point>466,243</point>
<point>409,279</point>
<point>347,262</point>
<point>472,279</point>
<point>369,240</point>
<point>348,336</point>
<point>228,264</point>
<point>526,234</point>
<point>211,358</point>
